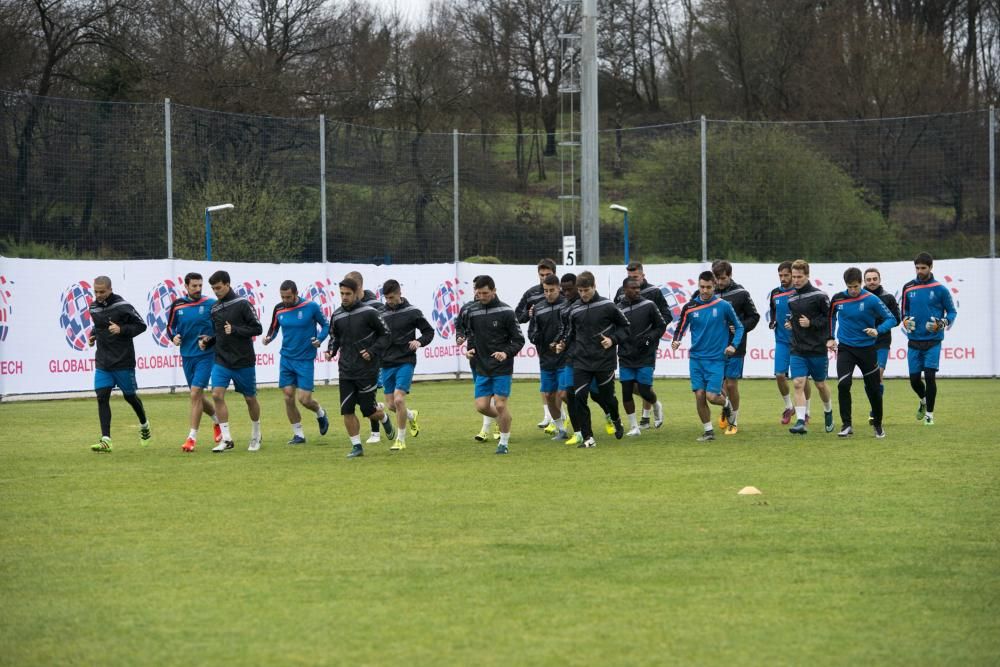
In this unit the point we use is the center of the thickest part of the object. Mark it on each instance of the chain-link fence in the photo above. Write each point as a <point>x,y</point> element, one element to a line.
<point>91,179</point>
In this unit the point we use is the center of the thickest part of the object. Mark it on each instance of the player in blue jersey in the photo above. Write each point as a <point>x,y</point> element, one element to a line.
<point>709,319</point>
<point>189,318</point>
<point>303,328</point>
<point>778,315</point>
<point>857,318</point>
<point>873,283</point>
<point>739,297</point>
<point>927,309</point>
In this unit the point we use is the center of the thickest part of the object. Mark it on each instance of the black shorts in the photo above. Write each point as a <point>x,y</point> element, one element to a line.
<point>358,393</point>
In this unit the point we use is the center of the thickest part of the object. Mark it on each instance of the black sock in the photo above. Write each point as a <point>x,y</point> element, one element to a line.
<point>931,376</point>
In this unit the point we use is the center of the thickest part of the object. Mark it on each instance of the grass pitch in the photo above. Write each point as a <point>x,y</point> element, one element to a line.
<point>636,552</point>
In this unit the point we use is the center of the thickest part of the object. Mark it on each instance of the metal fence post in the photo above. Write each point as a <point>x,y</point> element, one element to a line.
<point>322,184</point>
<point>704,190</point>
<point>169,178</point>
<point>454,196</point>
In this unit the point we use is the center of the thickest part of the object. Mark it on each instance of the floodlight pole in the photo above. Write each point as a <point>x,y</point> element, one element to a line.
<point>589,179</point>
<point>208,227</point>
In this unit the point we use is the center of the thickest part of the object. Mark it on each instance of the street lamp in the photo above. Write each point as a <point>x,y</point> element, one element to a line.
<point>619,207</point>
<point>208,227</point>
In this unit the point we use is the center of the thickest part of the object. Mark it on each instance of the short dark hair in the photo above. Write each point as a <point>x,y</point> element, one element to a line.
<point>923,258</point>
<point>568,279</point>
<point>585,279</point>
<point>721,267</point>
<point>356,277</point>
<point>628,281</point>
<point>785,266</point>
<point>706,275</point>
<point>852,275</point>
<point>219,277</point>
<point>191,276</point>
<point>872,269</point>
<point>390,286</point>
<point>289,285</point>
<point>349,283</point>
<point>484,282</point>
<point>551,279</point>
<point>547,263</point>
<point>634,266</point>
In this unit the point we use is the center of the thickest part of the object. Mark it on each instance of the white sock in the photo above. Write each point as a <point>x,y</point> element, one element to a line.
<point>707,426</point>
<point>930,415</point>
<point>548,413</point>
<point>645,413</point>
<point>735,417</point>
<point>356,439</point>
<point>504,438</point>
<point>409,414</point>
<point>215,420</point>
<point>728,404</point>
<point>146,425</point>
<point>255,430</point>
<point>193,434</point>
<point>923,401</point>
<point>801,411</point>
<point>320,413</point>
<point>487,422</point>
<point>385,417</point>
<point>788,401</point>
<point>828,406</point>
<point>297,430</point>
<point>225,431</point>
<point>578,434</point>
<point>632,421</point>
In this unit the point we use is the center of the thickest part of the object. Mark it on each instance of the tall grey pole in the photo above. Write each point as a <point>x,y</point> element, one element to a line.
<point>589,180</point>
<point>322,184</point>
<point>993,184</point>
<point>168,167</point>
<point>704,190</point>
<point>454,187</point>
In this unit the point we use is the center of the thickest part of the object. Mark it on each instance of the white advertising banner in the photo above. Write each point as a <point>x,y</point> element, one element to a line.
<point>44,320</point>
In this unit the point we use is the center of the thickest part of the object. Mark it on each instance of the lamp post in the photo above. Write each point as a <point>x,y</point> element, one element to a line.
<point>624,210</point>
<point>208,227</point>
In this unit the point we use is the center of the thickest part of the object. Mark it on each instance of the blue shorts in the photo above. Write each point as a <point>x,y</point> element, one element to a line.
<point>814,367</point>
<point>642,375</point>
<point>397,378</point>
<point>921,360</point>
<point>124,379</point>
<point>734,367</point>
<point>566,378</point>
<point>883,357</point>
<point>198,370</point>
<point>498,385</point>
<point>244,379</point>
<point>706,374</point>
<point>549,381</point>
<point>782,358</point>
<point>299,373</point>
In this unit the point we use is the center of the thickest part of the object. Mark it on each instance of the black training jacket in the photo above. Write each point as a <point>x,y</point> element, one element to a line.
<point>652,293</point>
<point>493,328</point>
<point>115,351</point>
<point>543,331</point>
<point>646,327</point>
<point>885,340</point>
<point>234,350</point>
<point>402,321</point>
<point>814,304</point>
<point>357,328</point>
<point>739,298</point>
<point>532,296</point>
<point>587,323</point>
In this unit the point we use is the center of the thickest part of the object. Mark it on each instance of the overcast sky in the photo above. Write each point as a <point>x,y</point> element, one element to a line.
<point>413,9</point>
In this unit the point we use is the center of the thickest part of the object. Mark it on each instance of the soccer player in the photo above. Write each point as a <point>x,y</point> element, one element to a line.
<point>462,333</point>
<point>637,353</point>
<point>534,295</point>
<point>190,318</point>
<point>927,310</point>
<point>543,332</point>
<point>857,317</point>
<point>567,284</point>
<point>595,328</point>
<point>403,319</point>
<point>303,329</point>
<point>739,298</point>
<point>234,324</point>
<point>115,324</point>
<point>873,283</point>
<point>368,297</point>
<point>494,339</point>
<point>709,318</point>
<point>358,331</point>
<point>779,314</point>
<point>652,293</point>
<point>809,311</point>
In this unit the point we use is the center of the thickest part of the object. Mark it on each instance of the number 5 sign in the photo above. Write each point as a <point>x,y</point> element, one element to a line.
<point>569,251</point>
